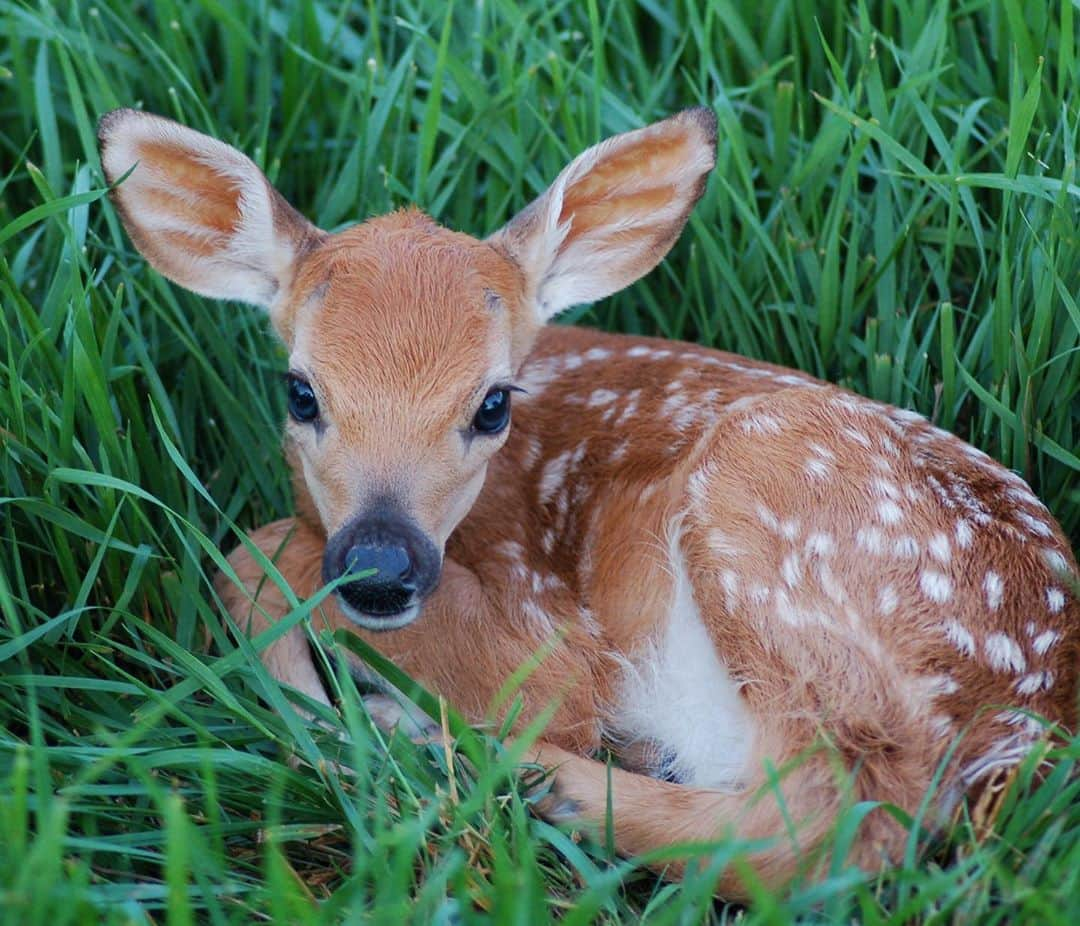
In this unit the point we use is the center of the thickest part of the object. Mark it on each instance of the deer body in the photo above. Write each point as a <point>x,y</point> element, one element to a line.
<point>724,563</point>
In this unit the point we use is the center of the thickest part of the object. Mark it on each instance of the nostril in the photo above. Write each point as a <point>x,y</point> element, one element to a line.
<point>392,563</point>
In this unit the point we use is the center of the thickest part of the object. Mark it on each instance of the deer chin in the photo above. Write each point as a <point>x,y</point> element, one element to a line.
<point>380,622</point>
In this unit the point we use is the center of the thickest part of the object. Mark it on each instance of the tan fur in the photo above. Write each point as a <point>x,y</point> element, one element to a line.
<point>873,588</point>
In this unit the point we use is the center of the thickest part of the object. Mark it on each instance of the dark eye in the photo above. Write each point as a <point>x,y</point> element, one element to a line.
<point>303,406</point>
<point>494,412</point>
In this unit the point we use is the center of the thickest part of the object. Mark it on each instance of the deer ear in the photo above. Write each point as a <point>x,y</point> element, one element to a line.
<point>612,215</point>
<point>200,211</point>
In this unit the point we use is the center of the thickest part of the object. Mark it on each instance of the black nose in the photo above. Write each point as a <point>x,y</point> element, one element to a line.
<point>385,563</point>
<point>384,584</point>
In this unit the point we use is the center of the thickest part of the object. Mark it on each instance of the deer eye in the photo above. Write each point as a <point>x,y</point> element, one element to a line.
<point>303,406</point>
<point>494,412</point>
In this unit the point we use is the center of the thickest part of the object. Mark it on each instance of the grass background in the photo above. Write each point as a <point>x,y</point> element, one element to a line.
<point>895,208</point>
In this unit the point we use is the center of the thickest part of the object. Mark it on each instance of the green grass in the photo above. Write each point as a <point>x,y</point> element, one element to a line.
<point>895,208</point>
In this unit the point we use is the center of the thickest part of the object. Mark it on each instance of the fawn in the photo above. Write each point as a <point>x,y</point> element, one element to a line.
<point>729,562</point>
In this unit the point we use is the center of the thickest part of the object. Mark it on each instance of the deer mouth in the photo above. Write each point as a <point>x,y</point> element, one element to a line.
<point>380,622</point>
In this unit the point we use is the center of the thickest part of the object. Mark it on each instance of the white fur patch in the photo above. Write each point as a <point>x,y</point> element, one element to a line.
<point>678,695</point>
<point>1042,643</point>
<point>1004,653</point>
<point>251,262</point>
<point>887,600</point>
<point>1055,600</point>
<point>959,636</point>
<point>602,397</point>
<point>935,586</point>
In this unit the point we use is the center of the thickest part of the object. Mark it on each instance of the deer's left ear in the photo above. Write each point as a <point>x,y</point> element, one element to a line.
<point>612,215</point>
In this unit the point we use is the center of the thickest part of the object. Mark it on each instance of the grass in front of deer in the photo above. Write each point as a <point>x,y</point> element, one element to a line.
<point>894,208</point>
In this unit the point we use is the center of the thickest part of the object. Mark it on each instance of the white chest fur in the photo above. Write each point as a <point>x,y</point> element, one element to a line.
<point>677,695</point>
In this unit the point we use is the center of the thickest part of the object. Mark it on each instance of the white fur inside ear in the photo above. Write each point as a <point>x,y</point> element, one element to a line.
<point>614,212</point>
<point>198,209</point>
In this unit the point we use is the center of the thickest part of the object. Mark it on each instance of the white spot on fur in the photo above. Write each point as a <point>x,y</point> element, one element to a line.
<point>829,584</point>
<point>597,353</point>
<point>858,437</point>
<point>959,636</point>
<point>939,548</point>
<point>817,468</point>
<point>672,404</point>
<point>1055,600</point>
<point>532,453</point>
<point>870,539</point>
<point>729,578</point>
<point>789,529</point>
<point>886,488</point>
<point>1055,560</point>
<point>963,534</point>
<point>1034,525</point>
<point>761,424</point>
<point>535,377</point>
<point>553,476</point>
<point>935,586</point>
<point>639,351</point>
<point>994,588</point>
<point>1004,653</point>
<point>887,600</point>
<point>602,397</point>
<point>889,512</point>
<point>684,417</point>
<point>789,379</point>
<point>768,518</point>
<point>791,569</point>
<point>820,544</point>
<point>1035,682</point>
<point>1042,643</point>
<point>821,451</point>
<point>1021,493</point>
<point>630,408</point>
<point>680,677</point>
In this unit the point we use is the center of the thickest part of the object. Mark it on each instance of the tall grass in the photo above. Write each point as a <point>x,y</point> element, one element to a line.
<point>895,208</point>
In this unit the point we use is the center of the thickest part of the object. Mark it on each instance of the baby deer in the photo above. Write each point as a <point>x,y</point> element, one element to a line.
<point>727,564</point>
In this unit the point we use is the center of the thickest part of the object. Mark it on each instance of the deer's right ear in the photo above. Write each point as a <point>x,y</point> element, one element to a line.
<point>200,211</point>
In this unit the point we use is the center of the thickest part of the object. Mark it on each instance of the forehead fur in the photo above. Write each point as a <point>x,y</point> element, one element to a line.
<point>401,304</point>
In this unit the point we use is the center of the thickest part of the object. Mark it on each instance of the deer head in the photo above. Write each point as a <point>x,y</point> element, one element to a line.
<point>404,337</point>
